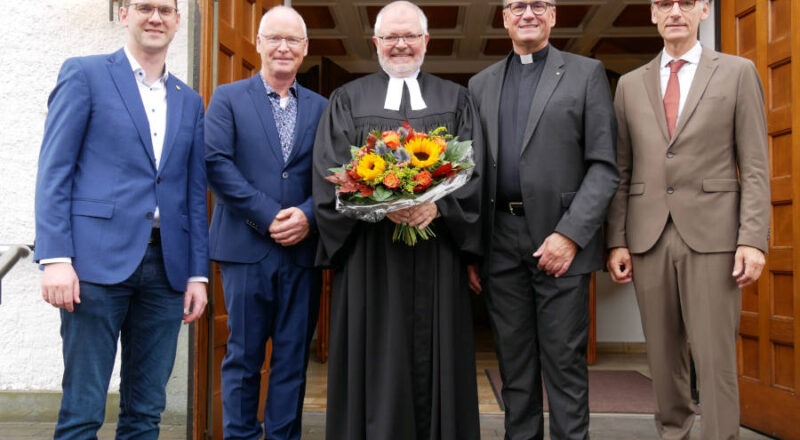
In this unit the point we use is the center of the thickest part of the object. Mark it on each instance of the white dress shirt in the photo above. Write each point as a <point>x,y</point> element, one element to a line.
<point>685,75</point>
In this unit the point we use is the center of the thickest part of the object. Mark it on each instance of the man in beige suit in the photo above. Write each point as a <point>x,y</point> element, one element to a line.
<point>689,223</point>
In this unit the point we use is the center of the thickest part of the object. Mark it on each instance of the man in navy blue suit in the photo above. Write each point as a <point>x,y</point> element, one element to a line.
<point>121,225</point>
<point>259,140</point>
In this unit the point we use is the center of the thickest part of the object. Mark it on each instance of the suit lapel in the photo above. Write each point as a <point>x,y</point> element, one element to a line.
<point>174,115</point>
<point>652,84</point>
<point>122,75</point>
<point>300,123</point>
<point>264,110</point>
<point>494,88</point>
<point>551,75</point>
<point>705,69</point>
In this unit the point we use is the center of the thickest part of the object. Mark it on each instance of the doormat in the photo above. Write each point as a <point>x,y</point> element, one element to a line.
<point>610,391</point>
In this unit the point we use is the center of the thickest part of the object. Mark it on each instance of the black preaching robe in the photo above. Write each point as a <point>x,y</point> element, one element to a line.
<point>401,362</point>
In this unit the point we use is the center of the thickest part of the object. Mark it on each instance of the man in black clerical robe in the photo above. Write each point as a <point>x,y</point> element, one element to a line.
<point>402,361</point>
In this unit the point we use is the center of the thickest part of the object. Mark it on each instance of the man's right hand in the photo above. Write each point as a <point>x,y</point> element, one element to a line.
<point>619,265</point>
<point>474,276</point>
<point>60,286</point>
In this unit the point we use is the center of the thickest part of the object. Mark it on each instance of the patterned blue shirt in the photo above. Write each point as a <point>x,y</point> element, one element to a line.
<point>285,116</point>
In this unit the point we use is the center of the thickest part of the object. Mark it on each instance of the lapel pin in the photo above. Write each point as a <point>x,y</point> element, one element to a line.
<point>177,87</point>
<point>558,73</point>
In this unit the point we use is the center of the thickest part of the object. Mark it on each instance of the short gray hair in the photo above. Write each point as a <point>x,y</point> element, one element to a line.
<point>423,20</point>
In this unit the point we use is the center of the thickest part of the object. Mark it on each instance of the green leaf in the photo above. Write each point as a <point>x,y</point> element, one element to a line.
<point>456,150</point>
<point>382,194</point>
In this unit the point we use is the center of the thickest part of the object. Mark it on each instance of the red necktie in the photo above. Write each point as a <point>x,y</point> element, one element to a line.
<point>672,97</point>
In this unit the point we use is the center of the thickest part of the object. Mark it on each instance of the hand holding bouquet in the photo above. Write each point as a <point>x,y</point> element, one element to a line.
<point>399,169</point>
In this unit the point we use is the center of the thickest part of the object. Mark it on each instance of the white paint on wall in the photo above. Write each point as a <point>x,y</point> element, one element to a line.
<point>39,37</point>
<point>617,312</point>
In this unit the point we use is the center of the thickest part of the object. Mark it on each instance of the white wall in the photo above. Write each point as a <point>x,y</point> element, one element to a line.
<point>39,36</point>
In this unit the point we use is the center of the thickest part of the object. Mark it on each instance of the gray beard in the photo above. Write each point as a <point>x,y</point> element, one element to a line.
<point>399,74</point>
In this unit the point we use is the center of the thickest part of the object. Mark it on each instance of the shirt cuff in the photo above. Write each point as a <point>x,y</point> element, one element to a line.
<point>47,261</point>
<point>198,280</point>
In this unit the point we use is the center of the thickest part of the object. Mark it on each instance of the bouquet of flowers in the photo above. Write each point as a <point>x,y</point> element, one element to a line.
<point>398,169</point>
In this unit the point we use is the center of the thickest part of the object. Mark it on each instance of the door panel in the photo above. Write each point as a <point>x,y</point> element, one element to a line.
<point>227,54</point>
<point>769,363</point>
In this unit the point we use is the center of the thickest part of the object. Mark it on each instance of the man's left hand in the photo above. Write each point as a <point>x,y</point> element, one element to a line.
<point>747,265</point>
<point>289,227</point>
<point>194,301</point>
<point>556,254</point>
<point>422,215</point>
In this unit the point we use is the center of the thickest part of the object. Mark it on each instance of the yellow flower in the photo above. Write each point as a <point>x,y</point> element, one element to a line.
<point>424,152</point>
<point>371,166</point>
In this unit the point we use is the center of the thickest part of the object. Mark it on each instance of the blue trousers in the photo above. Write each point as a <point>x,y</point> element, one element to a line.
<point>272,299</point>
<point>145,314</point>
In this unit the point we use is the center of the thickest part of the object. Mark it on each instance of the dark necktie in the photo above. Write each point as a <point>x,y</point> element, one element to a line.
<point>672,97</point>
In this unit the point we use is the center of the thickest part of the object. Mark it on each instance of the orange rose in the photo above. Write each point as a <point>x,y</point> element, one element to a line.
<point>391,181</point>
<point>391,139</point>
<point>423,181</point>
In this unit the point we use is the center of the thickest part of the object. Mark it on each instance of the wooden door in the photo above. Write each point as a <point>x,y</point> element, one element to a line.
<point>769,357</point>
<point>227,54</point>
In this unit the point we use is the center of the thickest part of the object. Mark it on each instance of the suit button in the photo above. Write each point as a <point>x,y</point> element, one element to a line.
<point>285,175</point>
<point>158,180</point>
<point>670,190</point>
<point>670,155</point>
<point>149,215</point>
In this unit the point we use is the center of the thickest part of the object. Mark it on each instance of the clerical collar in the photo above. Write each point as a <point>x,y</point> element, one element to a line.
<point>537,56</point>
<point>394,92</point>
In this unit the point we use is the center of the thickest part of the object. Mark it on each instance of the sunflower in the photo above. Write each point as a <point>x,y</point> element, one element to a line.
<point>370,167</point>
<point>424,152</point>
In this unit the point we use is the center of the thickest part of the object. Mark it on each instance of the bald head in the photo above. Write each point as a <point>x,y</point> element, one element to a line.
<point>282,12</point>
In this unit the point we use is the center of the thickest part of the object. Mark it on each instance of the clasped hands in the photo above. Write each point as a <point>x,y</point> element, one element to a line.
<point>419,216</point>
<point>289,227</point>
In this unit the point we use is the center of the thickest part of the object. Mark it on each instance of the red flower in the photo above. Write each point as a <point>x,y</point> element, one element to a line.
<point>365,190</point>
<point>391,181</point>
<point>371,139</point>
<point>442,171</point>
<point>423,181</point>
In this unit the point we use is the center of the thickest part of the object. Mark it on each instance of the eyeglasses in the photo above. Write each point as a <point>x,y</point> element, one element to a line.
<point>667,5</point>
<point>147,9</point>
<point>391,40</point>
<point>519,8</point>
<point>277,40</point>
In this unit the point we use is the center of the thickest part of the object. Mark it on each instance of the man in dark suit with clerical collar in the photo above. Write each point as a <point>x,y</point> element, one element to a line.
<point>549,128</point>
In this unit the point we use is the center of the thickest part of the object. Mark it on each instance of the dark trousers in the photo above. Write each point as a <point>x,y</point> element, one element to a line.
<point>540,326</point>
<point>271,299</point>
<point>145,314</point>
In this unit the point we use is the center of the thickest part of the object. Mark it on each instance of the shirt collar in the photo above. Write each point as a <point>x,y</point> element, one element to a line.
<point>271,91</point>
<point>537,56</point>
<point>137,68</point>
<point>691,57</point>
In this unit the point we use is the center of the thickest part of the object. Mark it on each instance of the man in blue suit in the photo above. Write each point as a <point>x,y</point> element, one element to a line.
<point>121,223</point>
<point>259,139</point>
